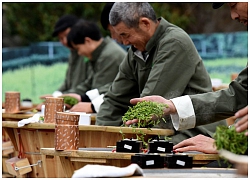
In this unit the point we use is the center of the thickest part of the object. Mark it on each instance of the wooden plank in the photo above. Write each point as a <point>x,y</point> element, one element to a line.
<point>17,117</point>
<point>203,157</point>
<point>11,135</point>
<point>89,160</point>
<point>67,166</point>
<point>4,167</point>
<point>52,167</point>
<point>6,175</point>
<point>116,155</point>
<point>75,159</point>
<point>125,130</point>
<point>7,148</point>
<point>14,124</point>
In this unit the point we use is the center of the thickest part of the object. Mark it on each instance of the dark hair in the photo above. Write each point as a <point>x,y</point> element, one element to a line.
<point>81,30</point>
<point>105,15</point>
<point>217,5</point>
<point>63,23</point>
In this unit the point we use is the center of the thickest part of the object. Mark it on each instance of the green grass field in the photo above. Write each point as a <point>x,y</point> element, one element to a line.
<point>223,68</point>
<point>34,81</point>
<point>38,80</point>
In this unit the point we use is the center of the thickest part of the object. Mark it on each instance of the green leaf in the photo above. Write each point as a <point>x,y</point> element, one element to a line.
<point>228,139</point>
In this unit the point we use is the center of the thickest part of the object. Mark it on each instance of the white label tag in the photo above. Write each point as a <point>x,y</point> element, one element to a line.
<point>182,163</point>
<point>161,149</point>
<point>127,146</point>
<point>150,162</point>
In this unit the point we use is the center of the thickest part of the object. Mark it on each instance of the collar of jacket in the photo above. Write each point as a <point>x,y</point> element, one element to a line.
<point>140,54</point>
<point>157,36</point>
<point>97,52</point>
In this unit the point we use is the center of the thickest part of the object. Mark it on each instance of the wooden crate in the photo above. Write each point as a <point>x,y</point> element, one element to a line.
<point>17,162</point>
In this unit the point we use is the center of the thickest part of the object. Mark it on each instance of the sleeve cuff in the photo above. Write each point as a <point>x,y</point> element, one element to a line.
<point>185,117</point>
<point>97,102</point>
<point>92,94</point>
<point>57,93</point>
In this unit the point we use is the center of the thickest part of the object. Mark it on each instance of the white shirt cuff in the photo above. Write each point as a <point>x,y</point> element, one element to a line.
<point>97,102</point>
<point>57,93</point>
<point>92,94</point>
<point>185,117</point>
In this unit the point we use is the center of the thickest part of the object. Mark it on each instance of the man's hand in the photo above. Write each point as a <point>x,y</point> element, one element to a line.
<point>199,143</point>
<point>170,110</point>
<point>74,95</point>
<point>82,107</point>
<point>39,106</point>
<point>242,124</point>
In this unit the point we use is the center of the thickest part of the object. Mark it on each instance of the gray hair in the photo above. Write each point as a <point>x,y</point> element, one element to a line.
<point>129,13</point>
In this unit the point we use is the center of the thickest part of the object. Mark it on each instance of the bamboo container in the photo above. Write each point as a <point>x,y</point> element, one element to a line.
<point>52,106</point>
<point>12,102</point>
<point>66,131</point>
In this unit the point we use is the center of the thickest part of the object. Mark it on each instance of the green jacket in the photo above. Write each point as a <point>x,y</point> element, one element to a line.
<point>224,103</point>
<point>173,68</point>
<point>76,73</point>
<point>103,66</point>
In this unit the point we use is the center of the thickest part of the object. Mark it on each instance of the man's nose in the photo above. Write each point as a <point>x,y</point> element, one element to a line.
<point>234,15</point>
<point>64,41</point>
<point>125,41</point>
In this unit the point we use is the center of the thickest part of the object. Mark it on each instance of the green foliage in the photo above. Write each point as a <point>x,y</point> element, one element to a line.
<point>70,100</point>
<point>228,139</point>
<point>147,113</point>
<point>34,22</point>
<point>175,13</point>
<point>144,112</point>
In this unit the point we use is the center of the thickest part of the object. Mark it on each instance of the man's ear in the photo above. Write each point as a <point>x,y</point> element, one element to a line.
<point>87,40</point>
<point>144,23</point>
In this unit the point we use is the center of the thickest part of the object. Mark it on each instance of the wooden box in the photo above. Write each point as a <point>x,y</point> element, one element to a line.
<point>17,162</point>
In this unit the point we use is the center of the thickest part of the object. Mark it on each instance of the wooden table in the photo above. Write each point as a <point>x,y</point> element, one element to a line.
<point>75,159</point>
<point>20,116</point>
<point>35,136</point>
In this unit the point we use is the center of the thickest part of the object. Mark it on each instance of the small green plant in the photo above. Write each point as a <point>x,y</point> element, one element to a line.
<point>228,139</point>
<point>70,100</point>
<point>145,112</point>
<point>148,114</point>
<point>123,135</point>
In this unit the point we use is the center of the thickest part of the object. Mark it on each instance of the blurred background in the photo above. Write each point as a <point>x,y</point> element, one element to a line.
<point>34,63</point>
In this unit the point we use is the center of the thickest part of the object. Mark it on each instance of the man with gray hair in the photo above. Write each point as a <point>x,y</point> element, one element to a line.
<point>162,60</point>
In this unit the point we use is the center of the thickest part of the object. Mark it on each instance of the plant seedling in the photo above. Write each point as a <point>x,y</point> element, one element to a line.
<point>228,139</point>
<point>147,113</point>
